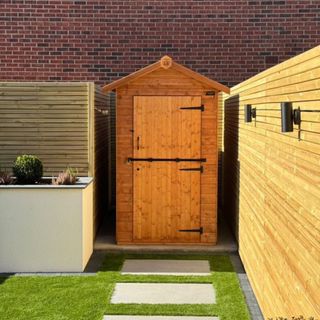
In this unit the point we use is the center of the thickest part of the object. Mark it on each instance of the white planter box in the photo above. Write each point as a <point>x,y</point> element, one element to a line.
<point>46,228</point>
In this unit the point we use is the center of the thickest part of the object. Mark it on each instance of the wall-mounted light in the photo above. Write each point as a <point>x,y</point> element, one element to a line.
<point>289,117</point>
<point>249,113</point>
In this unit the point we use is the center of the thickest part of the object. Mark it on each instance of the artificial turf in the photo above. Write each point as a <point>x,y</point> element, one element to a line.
<point>88,297</point>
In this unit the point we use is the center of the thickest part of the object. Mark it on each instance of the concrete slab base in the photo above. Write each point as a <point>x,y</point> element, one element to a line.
<point>158,318</point>
<point>166,267</point>
<point>105,240</point>
<point>164,293</point>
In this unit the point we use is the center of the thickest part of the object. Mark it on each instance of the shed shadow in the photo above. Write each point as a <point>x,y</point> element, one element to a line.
<point>106,262</point>
<point>4,277</point>
<point>231,164</point>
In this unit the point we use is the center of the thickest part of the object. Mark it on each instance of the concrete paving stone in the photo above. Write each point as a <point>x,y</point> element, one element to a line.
<point>164,293</point>
<point>158,318</point>
<point>166,267</point>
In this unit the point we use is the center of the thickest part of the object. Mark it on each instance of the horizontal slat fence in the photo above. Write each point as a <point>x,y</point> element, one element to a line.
<point>272,186</point>
<point>46,119</point>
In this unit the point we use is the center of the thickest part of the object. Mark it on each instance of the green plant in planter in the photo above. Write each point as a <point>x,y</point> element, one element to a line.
<point>69,176</point>
<point>5,178</point>
<point>27,169</point>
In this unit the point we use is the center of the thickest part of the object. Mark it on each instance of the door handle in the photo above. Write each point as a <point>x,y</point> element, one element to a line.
<point>138,142</point>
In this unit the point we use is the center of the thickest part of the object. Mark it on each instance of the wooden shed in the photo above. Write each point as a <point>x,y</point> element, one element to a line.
<point>166,155</point>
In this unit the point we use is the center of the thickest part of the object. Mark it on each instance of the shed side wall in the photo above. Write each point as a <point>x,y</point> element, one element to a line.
<point>272,186</point>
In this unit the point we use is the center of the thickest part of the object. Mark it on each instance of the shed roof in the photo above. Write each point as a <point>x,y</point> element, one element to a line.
<point>166,63</point>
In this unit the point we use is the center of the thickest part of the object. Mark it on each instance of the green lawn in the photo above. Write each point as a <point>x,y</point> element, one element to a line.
<point>87,297</point>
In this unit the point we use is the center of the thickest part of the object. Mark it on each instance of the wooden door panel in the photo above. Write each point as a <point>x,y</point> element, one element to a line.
<point>152,201</point>
<point>166,199</point>
<point>185,202</point>
<point>163,130</point>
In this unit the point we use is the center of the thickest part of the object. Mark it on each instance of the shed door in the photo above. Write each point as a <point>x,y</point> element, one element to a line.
<point>166,205</point>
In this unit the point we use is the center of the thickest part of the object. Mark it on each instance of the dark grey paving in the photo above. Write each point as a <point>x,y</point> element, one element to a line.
<point>54,274</point>
<point>158,318</point>
<point>253,306</point>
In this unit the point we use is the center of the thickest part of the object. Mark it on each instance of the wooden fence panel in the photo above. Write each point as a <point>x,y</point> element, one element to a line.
<point>47,119</point>
<point>271,184</point>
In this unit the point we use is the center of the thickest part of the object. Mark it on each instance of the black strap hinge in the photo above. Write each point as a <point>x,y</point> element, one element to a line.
<point>193,108</point>
<point>193,169</point>
<point>200,230</point>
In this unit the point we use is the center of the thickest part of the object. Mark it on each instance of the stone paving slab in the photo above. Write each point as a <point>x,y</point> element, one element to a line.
<point>164,293</point>
<point>166,267</point>
<point>158,318</point>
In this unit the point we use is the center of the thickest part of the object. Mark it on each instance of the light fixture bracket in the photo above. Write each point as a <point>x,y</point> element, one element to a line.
<point>249,113</point>
<point>297,116</point>
<point>254,113</point>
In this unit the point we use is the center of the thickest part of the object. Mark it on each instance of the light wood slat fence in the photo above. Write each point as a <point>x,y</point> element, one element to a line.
<point>272,186</point>
<point>49,120</point>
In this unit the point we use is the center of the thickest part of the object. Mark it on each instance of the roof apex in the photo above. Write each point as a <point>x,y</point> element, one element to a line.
<point>166,63</point>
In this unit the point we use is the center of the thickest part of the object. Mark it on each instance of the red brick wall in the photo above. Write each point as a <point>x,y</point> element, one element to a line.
<point>104,40</point>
